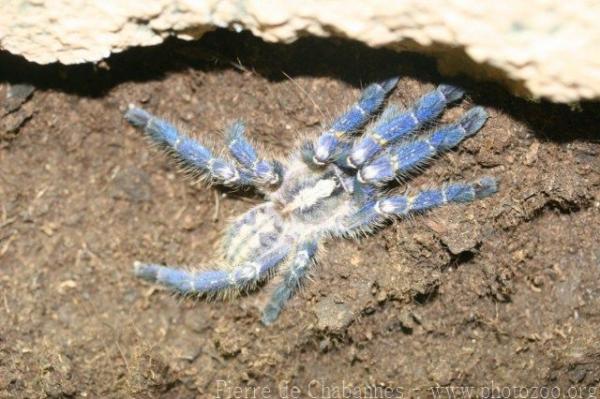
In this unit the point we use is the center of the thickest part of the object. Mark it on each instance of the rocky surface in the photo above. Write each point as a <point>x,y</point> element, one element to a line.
<point>537,48</point>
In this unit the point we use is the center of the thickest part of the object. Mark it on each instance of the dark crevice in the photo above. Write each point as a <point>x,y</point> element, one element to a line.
<point>422,298</point>
<point>562,207</point>
<point>463,257</point>
<point>346,60</point>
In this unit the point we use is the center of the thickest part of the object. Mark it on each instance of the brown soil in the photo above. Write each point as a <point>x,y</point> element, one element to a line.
<point>499,294</point>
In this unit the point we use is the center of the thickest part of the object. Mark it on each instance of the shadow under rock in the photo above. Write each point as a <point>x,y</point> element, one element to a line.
<point>350,61</point>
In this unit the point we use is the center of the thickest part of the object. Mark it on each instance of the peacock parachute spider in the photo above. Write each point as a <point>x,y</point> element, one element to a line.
<point>334,186</point>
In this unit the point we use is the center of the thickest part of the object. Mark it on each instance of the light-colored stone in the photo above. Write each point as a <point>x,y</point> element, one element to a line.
<point>537,48</point>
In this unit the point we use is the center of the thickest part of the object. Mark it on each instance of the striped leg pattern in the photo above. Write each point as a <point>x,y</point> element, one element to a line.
<point>241,277</point>
<point>405,157</point>
<point>395,124</point>
<point>291,281</point>
<point>191,152</point>
<point>356,117</point>
<point>376,212</point>
<point>264,173</point>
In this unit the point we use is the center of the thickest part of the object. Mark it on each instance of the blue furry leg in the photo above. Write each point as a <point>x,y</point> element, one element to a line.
<point>326,148</point>
<point>291,281</point>
<point>374,212</point>
<point>268,173</point>
<point>187,149</point>
<point>395,124</point>
<point>405,157</point>
<point>212,281</point>
<point>428,199</point>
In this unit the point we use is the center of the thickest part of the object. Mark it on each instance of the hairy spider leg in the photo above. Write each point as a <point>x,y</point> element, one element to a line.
<point>213,281</point>
<point>264,173</point>
<point>375,212</point>
<point>353,119</point>
<point>187,149</point>
<point>292,279</point>
<point>406,156</point>
<point>395,124</point>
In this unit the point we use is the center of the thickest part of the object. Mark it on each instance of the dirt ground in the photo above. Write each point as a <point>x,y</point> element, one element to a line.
<point>500,296</point>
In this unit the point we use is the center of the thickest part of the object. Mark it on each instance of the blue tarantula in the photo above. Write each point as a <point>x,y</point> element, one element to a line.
<point>334,186</point>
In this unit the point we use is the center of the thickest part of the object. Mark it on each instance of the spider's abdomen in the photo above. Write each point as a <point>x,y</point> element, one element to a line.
<point>253,233</point>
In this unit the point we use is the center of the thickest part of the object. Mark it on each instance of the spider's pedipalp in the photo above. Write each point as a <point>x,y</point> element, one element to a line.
<point>394,124</point>
<point>292,279</point>
<point>405,157</point>
<point>353,119</point>
<point>267,173</point>
<point>213,281</point>
<point>191,152</point>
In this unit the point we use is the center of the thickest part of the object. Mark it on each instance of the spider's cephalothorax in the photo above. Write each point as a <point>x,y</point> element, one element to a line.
<point>332,187</point>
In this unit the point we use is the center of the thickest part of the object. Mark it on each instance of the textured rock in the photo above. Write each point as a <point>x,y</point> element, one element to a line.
<point>538,48</point>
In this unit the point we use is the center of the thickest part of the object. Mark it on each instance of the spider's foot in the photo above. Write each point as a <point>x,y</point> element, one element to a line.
<point>137,116</point>
<point>451,93</point>
<point>467,192</point>
<point>389,84</point>
<point>146,271</point>
<point>485,187</point>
